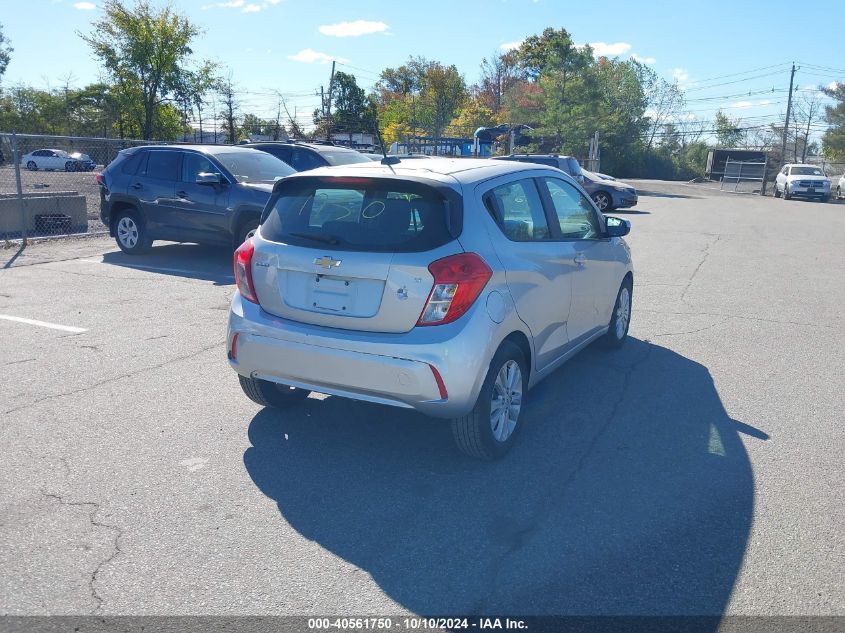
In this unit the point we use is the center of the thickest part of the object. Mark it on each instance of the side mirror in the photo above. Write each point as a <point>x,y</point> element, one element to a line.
<point>617,227</point>
<point>206,178</point>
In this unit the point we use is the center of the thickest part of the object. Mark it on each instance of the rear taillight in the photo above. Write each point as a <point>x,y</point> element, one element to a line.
<point>100,179</point>
<point>458,280</point>
<point>243,271</point>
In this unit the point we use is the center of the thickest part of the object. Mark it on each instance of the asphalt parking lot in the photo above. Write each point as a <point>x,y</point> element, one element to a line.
<point>698,470</point>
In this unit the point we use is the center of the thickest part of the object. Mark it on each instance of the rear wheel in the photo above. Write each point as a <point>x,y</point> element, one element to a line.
<point>270,394</point>
<point>838,192</point>
<point>246,231</point>
<point>130,233</point>
<point>620,320</point>
<point>31,166</point>
<point>488,431</point>
<point>786,194</point>
<point>777,192</point>
<point>603,201</point>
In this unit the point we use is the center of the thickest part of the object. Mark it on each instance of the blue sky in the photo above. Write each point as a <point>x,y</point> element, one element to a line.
<point>286,45</point>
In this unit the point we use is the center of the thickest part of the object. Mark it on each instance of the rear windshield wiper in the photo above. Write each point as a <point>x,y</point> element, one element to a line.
<point>326,239</point>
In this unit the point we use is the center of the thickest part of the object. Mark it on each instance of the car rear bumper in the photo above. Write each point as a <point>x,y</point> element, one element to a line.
<point>393,369</point>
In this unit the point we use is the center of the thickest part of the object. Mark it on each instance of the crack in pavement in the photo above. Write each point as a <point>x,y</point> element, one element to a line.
<point>704,255</point>
<point>703,329</point>
<point>522,535</point>
<point>116,378</point>
<point>738,316</point>
<point>118,533</point>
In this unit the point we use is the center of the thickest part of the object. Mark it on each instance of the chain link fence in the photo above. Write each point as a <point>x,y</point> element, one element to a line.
<point>48,184</point>
<point>744,176</point>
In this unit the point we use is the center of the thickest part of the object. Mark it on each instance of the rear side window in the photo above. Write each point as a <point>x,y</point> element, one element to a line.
<point>361,217</point>
<point>162,165</point>
<point>303,160</point>
<point>130,163</point>
<point>518,210</point>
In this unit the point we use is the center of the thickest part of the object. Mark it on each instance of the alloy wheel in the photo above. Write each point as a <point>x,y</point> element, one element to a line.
<point>506,402</point>
<point>623,312</point>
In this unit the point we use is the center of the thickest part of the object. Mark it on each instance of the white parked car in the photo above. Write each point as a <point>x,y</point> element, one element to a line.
<point>804,181</point>
<point>51,160</point>
<point>840,188</point>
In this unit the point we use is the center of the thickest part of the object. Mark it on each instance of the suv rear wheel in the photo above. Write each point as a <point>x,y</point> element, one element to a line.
<point>246,231</point>
<point>488,431</point>
<point>130,233</point>
<point>270,394</point>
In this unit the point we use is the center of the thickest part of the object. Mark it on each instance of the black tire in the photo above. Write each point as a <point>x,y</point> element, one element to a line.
<point>616,337</point>
<point>838,192</point>
<point>70,166</point>
<point>473,432</point>
<point>269,394</point>
<point>777,192</point>
<point>32,166</point>
<point>786,194</point>
<point>130,232</point>
<point>603,200</point>
<point>246,230</point>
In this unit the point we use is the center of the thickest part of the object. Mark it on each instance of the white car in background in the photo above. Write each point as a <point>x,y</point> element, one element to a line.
<point>840,188</point>
<point>51,160</point>
<point>803,181</point>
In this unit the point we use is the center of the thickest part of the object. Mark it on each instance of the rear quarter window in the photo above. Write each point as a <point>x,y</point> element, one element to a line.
<point>358,218</point>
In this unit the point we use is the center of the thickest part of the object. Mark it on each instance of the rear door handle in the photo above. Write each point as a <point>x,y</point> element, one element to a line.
<point>137,185</point>
<point>580,259</point>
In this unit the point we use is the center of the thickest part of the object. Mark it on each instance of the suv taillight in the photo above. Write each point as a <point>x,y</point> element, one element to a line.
<point>100,179</point>
<point>243,271</point>
<point>458,280</point>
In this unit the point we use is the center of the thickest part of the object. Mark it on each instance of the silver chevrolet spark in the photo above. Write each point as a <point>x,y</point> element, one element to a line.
<point>447,286</point>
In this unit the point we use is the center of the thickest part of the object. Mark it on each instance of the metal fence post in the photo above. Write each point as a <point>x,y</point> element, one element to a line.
<point>765,173</point>
<point>21,202</point>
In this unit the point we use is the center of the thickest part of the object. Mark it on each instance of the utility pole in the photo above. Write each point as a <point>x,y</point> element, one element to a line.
<point>329,106</point>
<point>788,112</point>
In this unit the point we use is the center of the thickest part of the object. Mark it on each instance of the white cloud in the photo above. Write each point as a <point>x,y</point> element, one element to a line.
<point>310,56</point>
<point>84,6</point>
<point>509,46</point>
<point>353,29</point>
<point>603,49</point>
<point>764,102</point>
<point>252,7</point>
<point>680,74</point>
<point>742,105</point>
<point>643,60</point>
<point>832,85</point>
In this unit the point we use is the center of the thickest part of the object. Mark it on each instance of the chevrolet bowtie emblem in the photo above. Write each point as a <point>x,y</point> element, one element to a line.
<point>327,262</point>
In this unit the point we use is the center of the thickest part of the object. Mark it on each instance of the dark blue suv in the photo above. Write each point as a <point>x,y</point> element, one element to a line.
<point>209,194</point>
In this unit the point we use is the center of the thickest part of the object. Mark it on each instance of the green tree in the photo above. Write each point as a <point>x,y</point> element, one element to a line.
<point>833,140</point>
<point>5,52</point>
<point>728,132</point>
<point>350,108</point>
<point>146,52</point>
<point>442,91</point>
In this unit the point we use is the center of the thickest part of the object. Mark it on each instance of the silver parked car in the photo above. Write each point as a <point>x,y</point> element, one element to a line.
<point>805,181</point>
<point>448,286</point>
<point>609,194</point>
<point>840,188</point>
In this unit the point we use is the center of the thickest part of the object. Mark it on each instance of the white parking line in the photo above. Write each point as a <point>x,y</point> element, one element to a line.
<point>178,271</point>
<point>52,326</point>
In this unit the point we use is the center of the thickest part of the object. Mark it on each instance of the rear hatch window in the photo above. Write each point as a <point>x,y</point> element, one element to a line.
<point>360,214</point>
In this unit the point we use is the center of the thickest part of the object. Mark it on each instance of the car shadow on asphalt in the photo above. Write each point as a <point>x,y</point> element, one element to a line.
<point>629,492</point>
<point>193,261</point>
